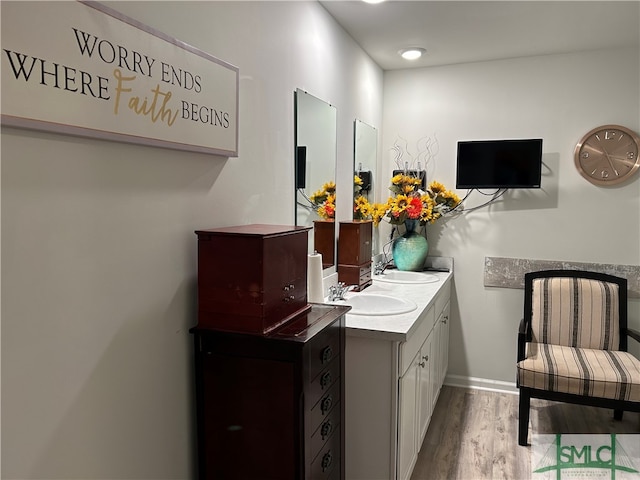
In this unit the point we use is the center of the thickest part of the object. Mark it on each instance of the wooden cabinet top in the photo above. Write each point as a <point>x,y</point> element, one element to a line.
<point>299,330</point>
<point>257,229</point>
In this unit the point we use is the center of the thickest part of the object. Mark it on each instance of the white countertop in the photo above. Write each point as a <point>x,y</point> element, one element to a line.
<point>396,327</point>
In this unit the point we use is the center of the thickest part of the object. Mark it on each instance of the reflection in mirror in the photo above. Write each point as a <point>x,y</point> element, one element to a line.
<point>365,158</point>
<point>315,172</point>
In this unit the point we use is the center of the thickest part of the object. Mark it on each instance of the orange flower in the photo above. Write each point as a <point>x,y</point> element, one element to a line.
<point>414,208</point>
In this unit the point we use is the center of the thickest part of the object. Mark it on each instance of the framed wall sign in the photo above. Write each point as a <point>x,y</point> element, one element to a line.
<point>81,68</point>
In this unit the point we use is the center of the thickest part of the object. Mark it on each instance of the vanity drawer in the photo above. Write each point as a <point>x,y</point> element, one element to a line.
<point>323,382</point>
<point>325,430</point>
<point>328,460</point>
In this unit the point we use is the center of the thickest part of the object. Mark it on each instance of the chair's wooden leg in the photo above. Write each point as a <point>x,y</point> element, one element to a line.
<point>617,414</point>
<point>523,417</point>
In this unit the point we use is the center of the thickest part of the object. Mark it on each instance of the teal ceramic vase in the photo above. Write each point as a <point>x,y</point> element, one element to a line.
<point>410,250</point>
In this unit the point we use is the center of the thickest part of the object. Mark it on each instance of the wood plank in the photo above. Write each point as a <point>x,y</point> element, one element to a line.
<point>477,438</point>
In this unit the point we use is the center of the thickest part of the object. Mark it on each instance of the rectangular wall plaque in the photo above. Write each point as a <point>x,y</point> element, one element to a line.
<point>509,272</point>
<point>84,69</point>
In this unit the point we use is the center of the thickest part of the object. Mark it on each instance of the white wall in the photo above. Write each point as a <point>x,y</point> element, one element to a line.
<point>99,254</point>
<point>558,98</point>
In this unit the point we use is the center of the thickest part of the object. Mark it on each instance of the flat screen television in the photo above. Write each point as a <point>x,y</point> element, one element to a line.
<point>499,163</point>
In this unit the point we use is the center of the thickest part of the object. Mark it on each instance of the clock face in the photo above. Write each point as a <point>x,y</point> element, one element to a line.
<point>608,155</point>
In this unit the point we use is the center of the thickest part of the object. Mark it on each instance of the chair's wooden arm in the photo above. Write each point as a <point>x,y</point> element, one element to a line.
<point>633,334</point>
<point>522,328</point>
<point>523,337</point>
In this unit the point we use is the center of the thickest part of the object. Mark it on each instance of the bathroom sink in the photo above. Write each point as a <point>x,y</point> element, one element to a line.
<point>401,276</point>
<point>372,304</point>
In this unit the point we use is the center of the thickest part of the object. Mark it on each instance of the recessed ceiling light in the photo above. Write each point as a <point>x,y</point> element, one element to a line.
<point>373,1</point>
<point>412,53</point>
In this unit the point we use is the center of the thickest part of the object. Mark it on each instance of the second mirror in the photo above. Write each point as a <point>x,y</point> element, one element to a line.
<point>315,172</point>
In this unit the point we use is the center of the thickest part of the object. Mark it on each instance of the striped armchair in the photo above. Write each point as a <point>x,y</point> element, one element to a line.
<point>572,343</point>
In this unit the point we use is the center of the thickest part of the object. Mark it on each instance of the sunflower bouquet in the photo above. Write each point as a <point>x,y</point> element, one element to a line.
<point>412,203</point>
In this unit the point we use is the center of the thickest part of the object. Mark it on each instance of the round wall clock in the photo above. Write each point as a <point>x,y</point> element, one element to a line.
<point>608,155</point>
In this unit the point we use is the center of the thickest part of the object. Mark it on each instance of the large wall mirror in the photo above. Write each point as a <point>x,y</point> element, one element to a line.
<point>315,169</point>
<point>365,159</point>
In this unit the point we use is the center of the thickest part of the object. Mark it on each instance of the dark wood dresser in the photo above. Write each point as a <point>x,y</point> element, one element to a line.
<point>354,253</point>
<point>270,406</point>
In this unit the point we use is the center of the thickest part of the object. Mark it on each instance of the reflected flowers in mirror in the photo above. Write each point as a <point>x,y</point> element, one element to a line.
<point>324,201</point>
<point>362,209</point>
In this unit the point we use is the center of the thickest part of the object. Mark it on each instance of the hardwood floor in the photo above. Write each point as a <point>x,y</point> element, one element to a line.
<point>473,434</point>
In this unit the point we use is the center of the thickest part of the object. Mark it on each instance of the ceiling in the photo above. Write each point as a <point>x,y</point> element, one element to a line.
<point>472,31</point>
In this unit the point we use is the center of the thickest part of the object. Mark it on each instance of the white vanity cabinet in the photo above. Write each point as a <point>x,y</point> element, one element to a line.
<point>392,384</point>
<point>415,402</point>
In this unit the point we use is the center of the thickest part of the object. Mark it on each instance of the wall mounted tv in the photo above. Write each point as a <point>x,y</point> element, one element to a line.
<point>499,163</point>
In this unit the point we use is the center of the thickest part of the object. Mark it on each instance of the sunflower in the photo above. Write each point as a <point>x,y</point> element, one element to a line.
<point>362,209</point>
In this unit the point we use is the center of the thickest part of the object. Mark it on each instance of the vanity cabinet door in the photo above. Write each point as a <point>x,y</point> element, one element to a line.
<point>407,420</point>
<point>426,381</point>
<point>443,343</point>
<point>436,362</point>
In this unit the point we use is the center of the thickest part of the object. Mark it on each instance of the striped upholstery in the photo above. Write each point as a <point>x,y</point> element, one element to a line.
<point>572,343</point>
<point>575,312</point>
<point>580,371</point>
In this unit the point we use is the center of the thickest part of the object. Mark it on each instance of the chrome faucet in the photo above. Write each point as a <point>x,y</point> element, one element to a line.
<point>337,292</point>
<point>380,267</point>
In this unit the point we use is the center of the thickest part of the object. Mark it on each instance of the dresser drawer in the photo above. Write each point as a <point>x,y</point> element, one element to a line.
<point>329,426</point>
<point>319,412</point>
<point>322,350</point>
<point>328,460</point>
<point>323,382</point>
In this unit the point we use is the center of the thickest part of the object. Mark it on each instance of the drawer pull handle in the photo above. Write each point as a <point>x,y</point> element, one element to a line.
<point>327,460</point>
<point>326,429</point>
<point>426,359</point>
<point>445,318</point>
<point>327,353</point>
<point>326,404</point>
<point>325,380</point>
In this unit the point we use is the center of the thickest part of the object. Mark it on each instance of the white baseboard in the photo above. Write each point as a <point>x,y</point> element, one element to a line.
<point>481,384</point>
